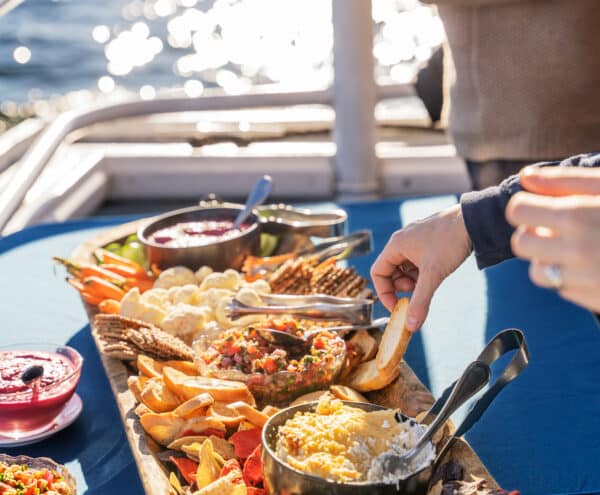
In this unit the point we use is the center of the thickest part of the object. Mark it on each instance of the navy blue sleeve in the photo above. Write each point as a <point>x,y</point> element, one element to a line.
<point>483,213</point>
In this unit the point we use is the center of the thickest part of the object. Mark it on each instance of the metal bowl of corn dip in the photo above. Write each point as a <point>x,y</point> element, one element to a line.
<point>333,446</point>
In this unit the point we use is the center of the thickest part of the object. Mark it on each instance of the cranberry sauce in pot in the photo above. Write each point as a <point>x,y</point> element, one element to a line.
<point>198,233</point>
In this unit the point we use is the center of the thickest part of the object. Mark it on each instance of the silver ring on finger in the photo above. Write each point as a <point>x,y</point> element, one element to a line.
<point>553,274</point>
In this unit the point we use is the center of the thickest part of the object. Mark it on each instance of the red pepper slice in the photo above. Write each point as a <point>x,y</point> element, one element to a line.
<point>253,468</point>
<point>187,468</point>
<point>206,433</point>
<point>245,442</point>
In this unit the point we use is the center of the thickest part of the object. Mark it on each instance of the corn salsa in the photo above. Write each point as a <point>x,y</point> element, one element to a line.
<point>20,479</point>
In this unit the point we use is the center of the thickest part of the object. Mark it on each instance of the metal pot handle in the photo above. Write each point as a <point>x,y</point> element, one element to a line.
<point>506,341</point>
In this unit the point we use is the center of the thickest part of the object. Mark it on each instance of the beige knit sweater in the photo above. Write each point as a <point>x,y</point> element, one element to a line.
<point>523,77</point>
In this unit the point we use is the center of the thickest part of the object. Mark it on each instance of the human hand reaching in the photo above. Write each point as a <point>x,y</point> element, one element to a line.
<point>558,227</point>
<point>418,258</point>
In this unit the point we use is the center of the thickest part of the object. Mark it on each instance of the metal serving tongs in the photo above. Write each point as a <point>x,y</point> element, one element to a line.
<point>318,307</point>
<point>507,340</point>
<point>340,247</point>
<point>473,379</point>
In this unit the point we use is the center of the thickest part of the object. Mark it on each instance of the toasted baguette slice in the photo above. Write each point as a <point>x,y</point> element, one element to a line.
<point>394,341</point>
<point>189,386</point>
<point>228,416</point>
<point>195,426</point>
<point>157,396</point>
<point>367,344</point>
<point>163,427</point>
<point>250,413</point>
<point>196,406</point>
<point>136,385</point>
<point>269,410</point>
<point>142,409</point>
<point>367,377</point>
<point>187,367</point>
<point>310,397</point>
<point>343,392</point>
<point>149,367</point>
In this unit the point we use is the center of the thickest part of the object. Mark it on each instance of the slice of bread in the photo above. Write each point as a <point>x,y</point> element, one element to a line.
<point>367,377</point>
<point>394,341</point>
<point>250,413</point>
<point>189,386</point>
<point>343,392</point>
<point>366,343</point>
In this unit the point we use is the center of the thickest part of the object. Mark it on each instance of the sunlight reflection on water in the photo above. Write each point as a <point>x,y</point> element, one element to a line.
<point>149,45</point>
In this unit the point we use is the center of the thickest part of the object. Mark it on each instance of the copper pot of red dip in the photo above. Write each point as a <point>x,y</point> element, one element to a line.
<point>201,235</point>
<point>29,408</point>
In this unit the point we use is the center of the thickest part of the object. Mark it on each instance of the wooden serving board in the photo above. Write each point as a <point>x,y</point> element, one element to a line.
<point>406,393</point>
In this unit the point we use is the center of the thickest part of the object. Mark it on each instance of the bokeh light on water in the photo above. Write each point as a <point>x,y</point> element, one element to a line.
<point>141,47</point>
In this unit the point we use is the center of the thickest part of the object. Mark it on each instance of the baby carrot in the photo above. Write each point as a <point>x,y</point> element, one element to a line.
<point>73,282</point>
<point>126,271</point>
<point>107,257</point>
<point>85,270</point>
<point>110,306</point>
<point>142,284</point>
<point>103,288</point>
<point>91,298</point>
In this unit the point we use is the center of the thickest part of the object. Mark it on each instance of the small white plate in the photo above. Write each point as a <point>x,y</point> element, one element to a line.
<point>70,413</point>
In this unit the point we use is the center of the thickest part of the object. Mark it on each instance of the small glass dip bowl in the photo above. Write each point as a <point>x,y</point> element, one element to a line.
<point>30,408</point>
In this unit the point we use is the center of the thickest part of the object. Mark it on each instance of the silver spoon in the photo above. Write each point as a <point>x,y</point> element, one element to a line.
<point>286,339</point>
<point>475,376</point>
<point>259,193</point>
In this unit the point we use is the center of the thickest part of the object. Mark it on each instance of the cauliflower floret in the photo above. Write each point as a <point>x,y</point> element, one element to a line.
<point>202,273</point>
<point>133,307</point>
<point>172,277</point>
<point>248,296</point>
<point>260,286</point>
<point>185,321</point>
<point>215,296</point>
<point>158,297</point>
<point>131,304</point>
<point>188,294</point>
<point>230,279</point>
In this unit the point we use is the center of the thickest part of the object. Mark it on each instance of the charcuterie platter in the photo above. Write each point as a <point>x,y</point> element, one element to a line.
<point>194,361</point>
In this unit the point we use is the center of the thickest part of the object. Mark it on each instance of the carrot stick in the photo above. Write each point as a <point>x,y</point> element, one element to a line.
<point>73,282</point>
<point>107,257</point>
<point>126,271</point>
<point>155,270</point>
<point>110,306</point>
<point>85,270</point>
<point>90,298</point>
<point>141,284</point>
<point>103,288</point>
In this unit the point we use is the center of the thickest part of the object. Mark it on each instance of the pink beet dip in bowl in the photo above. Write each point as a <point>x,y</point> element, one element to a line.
<point>30,408</point>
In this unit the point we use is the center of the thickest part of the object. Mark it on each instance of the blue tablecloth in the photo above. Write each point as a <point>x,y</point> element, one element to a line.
<point>540,436</point>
